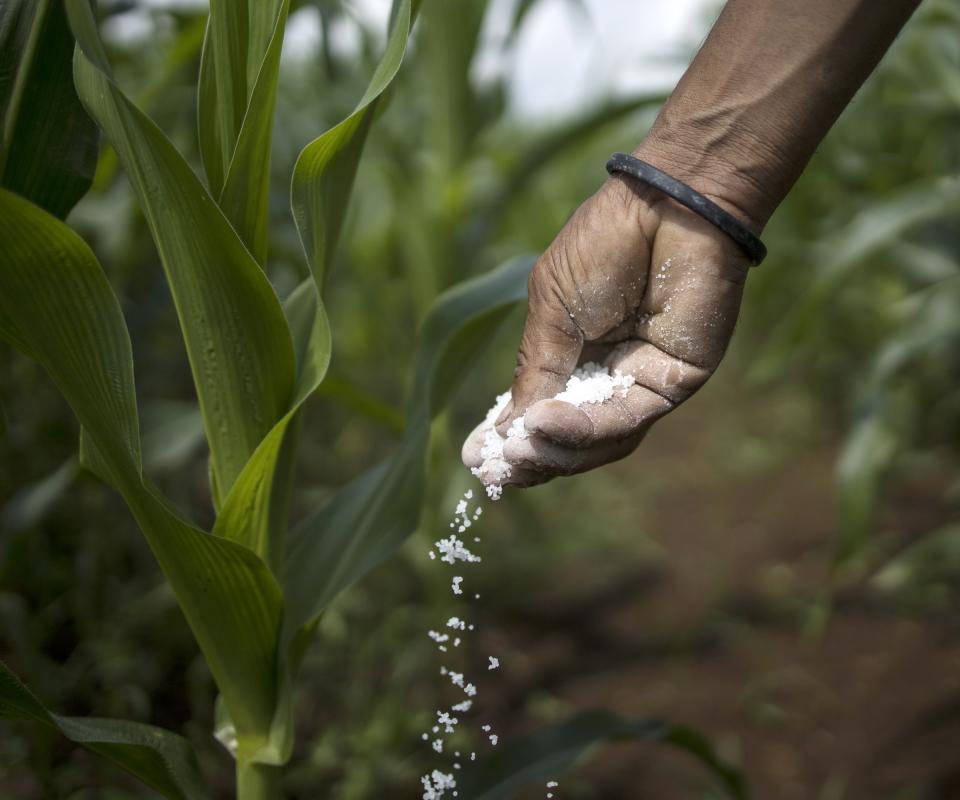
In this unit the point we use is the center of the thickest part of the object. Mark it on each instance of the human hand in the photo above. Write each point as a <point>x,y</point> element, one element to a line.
<point>634,282</point>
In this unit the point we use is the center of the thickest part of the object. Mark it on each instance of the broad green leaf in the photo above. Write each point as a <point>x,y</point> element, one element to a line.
<point>551,753</point>
<point>355,531</point>
<point>373,514</point>
<point>56,305</point>
<point>325,169</point>
<point>238,36</point>
<point>310,330</point>
<point>163,760</point>
<point>48,150</point>
<point>237,339</point>
<point>239,68</point>
<point>457,330</point>
<point>255,511</point>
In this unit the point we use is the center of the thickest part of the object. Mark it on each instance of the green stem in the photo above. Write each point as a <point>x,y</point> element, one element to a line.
<point>258,781</point>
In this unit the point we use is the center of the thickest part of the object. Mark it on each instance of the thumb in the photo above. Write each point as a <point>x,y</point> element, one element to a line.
<point>549,348</point>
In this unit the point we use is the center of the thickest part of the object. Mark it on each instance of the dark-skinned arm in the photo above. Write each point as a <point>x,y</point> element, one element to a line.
<point>640,284</point>
<point>767,85</point>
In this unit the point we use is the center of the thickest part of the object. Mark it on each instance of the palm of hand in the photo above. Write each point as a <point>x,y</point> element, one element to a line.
<point>638,284</point>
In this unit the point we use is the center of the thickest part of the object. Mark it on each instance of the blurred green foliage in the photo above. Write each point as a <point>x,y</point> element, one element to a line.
<point>851,328</point>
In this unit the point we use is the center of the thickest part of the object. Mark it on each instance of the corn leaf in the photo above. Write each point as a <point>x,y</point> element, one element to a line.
<point>56,306</point>
<point>237,339</point>
<point>322,182</point>
<point>373,514</point>
<point>163,760</point>
<point>551,753</point>
<point>239,68</point>
<point>325,170</point>
<point>48,151</point>
<point>255,511</point>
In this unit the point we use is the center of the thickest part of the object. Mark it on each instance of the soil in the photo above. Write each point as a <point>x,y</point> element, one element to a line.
<point>815,694</point>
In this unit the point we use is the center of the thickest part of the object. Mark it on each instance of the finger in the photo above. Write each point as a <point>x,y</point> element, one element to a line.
<point>662,382</point>
<point>549,348</point>
<point>541,455</point>
<point>666,375</point>
<point>627,413</point>
<point>522,478</point>
<point>470,453</point>
<point>691,308</point>
<point>502,473</point>
<point>495,472</point>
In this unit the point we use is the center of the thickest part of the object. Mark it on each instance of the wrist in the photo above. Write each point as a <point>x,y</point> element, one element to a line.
<point>737,173</point>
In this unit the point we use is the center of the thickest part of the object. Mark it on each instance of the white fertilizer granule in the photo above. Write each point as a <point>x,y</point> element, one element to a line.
<point>436,784</point>
<point>591,383</point>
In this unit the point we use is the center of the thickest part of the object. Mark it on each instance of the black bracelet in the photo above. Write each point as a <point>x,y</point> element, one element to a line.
<point>692,199</point>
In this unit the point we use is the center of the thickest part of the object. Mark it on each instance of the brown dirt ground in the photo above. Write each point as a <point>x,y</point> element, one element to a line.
<point>722,634</point>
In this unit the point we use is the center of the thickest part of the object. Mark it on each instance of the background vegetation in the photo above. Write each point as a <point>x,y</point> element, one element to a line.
<point>778,566</point>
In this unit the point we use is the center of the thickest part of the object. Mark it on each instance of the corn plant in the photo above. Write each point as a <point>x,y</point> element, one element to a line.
<point>251,588</point>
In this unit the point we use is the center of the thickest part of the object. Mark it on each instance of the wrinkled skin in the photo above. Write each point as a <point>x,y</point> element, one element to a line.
<point>638,283</point>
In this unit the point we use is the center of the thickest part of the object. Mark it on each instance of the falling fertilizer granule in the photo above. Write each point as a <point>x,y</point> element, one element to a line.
<point>590,383</point>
